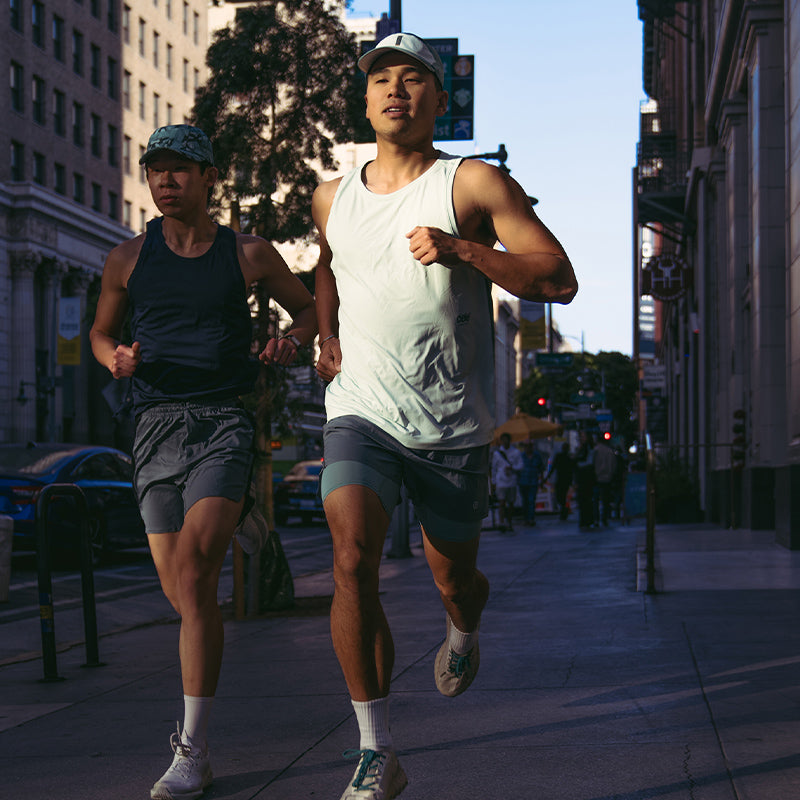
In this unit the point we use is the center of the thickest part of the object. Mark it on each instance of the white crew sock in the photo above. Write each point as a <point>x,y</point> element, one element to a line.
<point>196,714</point>
<point>461,642</point>
<point>373,723</point>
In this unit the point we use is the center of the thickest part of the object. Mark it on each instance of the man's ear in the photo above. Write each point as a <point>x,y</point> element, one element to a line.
<point>441,107</point>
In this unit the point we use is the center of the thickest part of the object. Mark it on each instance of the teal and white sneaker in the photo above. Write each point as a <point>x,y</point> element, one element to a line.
<point>189,774</point>
<point>378,776</point>
<point>454,672</point>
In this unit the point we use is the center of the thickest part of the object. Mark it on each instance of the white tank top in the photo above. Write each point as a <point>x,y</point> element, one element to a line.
<point>417,342</point>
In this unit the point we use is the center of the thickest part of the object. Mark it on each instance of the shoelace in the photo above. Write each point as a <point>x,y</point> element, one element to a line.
<point>458,664</point>
<point>368,768</point>
<point>184,751</point>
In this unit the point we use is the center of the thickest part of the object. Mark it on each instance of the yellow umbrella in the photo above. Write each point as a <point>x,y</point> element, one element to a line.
<point>523,426</point>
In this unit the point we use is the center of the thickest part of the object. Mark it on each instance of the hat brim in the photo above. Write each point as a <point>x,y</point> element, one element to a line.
<point>160,151</point>
<point>369,58</point>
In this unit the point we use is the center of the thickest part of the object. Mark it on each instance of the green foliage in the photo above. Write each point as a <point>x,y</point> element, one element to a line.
<point>610,372</point>
<point>279,96</point>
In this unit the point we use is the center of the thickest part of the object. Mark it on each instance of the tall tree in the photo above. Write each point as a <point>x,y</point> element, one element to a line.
<point>279,96</point>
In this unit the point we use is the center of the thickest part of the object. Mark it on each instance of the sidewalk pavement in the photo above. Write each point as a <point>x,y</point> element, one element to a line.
<point>588,690</point>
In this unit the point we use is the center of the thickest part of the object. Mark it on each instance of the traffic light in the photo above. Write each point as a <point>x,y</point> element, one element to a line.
<point>607,435</point>
<point>739,442</point>
<point>542,401</point>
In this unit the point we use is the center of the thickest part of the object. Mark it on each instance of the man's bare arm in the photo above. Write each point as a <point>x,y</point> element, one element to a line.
<point>533,265</point>
<point>260,261</point>
<point>330,355</point>
<point>112,305</point>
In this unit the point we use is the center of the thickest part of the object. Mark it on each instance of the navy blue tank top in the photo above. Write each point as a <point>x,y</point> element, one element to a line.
<point>191,317</point>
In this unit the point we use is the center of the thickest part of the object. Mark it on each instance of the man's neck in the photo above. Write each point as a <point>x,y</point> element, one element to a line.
<point>396,166</point>
<point>189,238</point>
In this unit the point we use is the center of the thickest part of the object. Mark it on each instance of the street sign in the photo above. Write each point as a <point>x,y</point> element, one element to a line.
<point>595,398</point>
<point>554,359</point>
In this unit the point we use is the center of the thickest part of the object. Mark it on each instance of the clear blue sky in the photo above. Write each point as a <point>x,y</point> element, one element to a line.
<point>559,83</point>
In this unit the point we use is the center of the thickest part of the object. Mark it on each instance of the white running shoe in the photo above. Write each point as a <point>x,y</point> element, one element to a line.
<point>188,776</point>
<point>378,776</point>
<point>252,532</point>
<point>454,672</point>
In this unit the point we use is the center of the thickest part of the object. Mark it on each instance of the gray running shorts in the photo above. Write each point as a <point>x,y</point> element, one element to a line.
<point>449,488</point>
<point>184,452</point>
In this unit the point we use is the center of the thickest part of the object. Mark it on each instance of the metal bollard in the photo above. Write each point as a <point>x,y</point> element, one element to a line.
<point>45,581</point>
<point>651,518</point>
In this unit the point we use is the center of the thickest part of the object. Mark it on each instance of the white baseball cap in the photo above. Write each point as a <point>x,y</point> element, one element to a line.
<point>410,45</point>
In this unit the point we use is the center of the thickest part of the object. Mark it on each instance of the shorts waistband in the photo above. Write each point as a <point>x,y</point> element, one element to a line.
<point>176,406</point>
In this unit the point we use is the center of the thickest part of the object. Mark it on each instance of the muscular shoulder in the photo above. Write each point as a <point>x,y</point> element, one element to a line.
<point>322,201</point>
<point>257,257</point>
<point>122,259</point>
<point>481,191</point>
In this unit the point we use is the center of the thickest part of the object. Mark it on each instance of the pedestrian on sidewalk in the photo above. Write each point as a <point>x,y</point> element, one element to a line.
<point>605,468</point>
<point>530,480</point>
<point>584,480</point>
<point>563,466</point>
<point>185,282</point>
<point>506,468</point>
<point>406,343</point>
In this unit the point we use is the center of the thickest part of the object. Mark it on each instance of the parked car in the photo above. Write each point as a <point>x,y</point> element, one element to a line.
<point>105,476</point>
<point>297,495</point>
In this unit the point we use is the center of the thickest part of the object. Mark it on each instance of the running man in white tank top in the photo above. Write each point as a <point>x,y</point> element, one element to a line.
<point>403,283</point>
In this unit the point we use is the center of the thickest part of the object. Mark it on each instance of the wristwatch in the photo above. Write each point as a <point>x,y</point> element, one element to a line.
<point>293,339</point>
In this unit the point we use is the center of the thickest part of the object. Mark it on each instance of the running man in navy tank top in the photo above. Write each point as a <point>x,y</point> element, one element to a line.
<point>186,281</point>
<point>403,283</point>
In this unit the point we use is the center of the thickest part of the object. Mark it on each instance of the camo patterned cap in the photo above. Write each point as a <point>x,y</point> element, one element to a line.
<point>185,140</point>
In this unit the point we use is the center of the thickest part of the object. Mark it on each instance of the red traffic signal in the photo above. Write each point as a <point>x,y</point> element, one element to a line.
<point>542,401</point>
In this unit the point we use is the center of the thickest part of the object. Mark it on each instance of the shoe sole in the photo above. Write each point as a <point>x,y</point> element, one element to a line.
<point>166,794</point>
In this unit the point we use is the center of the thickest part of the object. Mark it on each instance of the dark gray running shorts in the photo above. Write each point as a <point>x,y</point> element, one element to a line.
<point>449,488</point>
<point>184,452</point>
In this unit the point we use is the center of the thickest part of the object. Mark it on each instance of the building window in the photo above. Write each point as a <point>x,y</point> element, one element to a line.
<point>126,90</point>
<point>185,18</point>
<point>97,197</point>
<point>196,27</point>
<point>141,101</point>
<point>60,178</point>
<point>59,112</point>
<point>169,61</point>
<point>77,52</point>
<point>94,66</point>
<point>37,23</point>
<point>58,37</point>
<point>16,15</point>
<point>77,124</point>
<point>94,135</point>
<point>17,92</point>
<point>113,205</point>
<point>142,219</point>
<point>155,49</point>
<point>95,8</point>
<point>185,75</point>
<point>142,169</point>
<point>126,214</point>
<point>126,154</point>
<point>169,113</point>
<point>39,169</point>
<point>156,100</point>
<point>113,78</point>
<point>168,8</point>
<point>111,18</point>
<point>113,145</point>
<point>78,188</point>
<point>38,99</point>
<point>196,76</point>
<point>17,161</point>
<point>126,24</point>
<point>142,34</point>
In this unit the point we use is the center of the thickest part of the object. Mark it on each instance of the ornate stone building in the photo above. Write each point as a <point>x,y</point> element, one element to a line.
<point>718,192</point>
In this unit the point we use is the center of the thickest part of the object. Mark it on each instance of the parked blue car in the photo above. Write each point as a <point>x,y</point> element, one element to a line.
<point>297,495</point>
<point>105,476</point>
